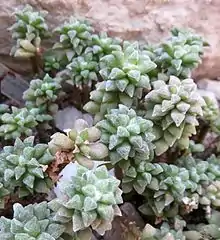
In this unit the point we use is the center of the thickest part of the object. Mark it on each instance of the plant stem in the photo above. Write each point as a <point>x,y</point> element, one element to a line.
<point>202,134</point>
<point>36,63</point>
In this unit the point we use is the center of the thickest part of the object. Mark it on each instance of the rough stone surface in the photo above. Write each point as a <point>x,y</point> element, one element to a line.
<point>211,86</point>
<point>128,226</point>
<point>148,20</point>
<point>130,212</point>
<point>93,238</point>
<point>65,119</point>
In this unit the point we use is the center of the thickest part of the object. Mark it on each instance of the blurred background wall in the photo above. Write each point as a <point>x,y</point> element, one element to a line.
<point>148,20</point>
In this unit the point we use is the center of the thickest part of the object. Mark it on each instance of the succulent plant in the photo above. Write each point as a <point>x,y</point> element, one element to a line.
<point>29,22</point>
<point>42,94</point>
<point>196,147</point>
<point>99,46</point>
<point>160,76</point>
<point>55,59</point>
<point>82,141</point>
<point>128,130</point>
<point>4,108</point>
<point>29,29</point>
<point>81,71</point>
<point>165,232</point>
<point>201,171</point>
<point>165,184</point>
<point>10,129</point>
<point>205,231</point>
<point>24,48</point>
<point>75,35</point>
<point>170,180</point>
<point>179,54</point>
<point>211,194</point>
<point>24,166</point>
<point>17,123</point>
<point>90,199</point>
<point>150,233</point>
<point>215,126</point>
<point>126,70</point>
<point>125,74</point>
<point>126,135</point>
<point>33,222</point>
<point>173,108</point>
<point>102,45</point>
<point>211,110</point>
<point>41,117</point>
<point>101,101</point>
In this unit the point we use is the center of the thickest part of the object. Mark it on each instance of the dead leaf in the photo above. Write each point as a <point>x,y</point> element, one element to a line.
<point>61,160</point>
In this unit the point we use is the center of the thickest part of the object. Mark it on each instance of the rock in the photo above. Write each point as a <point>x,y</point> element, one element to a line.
<point>13,88</point>
<point>148,20</point>
<point>210,85</point>
<point>93,237</point>
<point>129,211</point>
<point>3,71</point>
<point>66,173</point>
<point>65,119</point>
<point>206,93</point>
<point>128,226</point>
<point>209,94</point>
